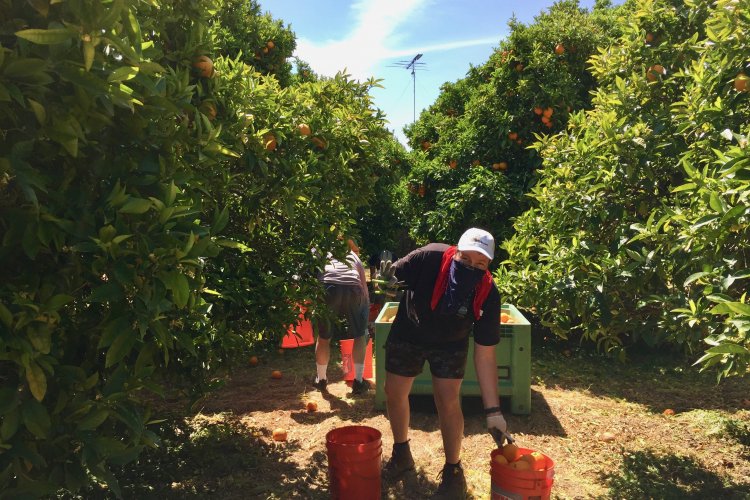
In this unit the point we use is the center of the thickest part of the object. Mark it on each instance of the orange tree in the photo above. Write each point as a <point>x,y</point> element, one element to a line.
<point>471,155</point>
<point>640,223</point>
<point>136,166</point>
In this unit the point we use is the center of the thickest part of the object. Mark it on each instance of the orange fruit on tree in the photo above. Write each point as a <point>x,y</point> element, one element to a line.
<point>304,129</point>
<point>538,110</point>
<point>426,145</point>
<point>312,406</point>
<point>741,82</point>
<point>475,163</point>
<point>510,452</point>
<point>276,374</point>
<point>500,166</point>
<point>279,434</point>
<point>421,191</point>
<point>500,459</point>
<point>264,50</point>
<point>209,109</point>
<point>319,142</point>
<point>519,67</point>
<point>548,112</point>
<point>270,44</point>
<point>253,361</point>
<point>654,72</point>
<point>546,120</point>
<point>453,164</point>
<point>649,37</point>
<point>535,459</point>
<point>269,141</point>
<point>203,66</point>
<point>559,49</point>
<point>512,136</point>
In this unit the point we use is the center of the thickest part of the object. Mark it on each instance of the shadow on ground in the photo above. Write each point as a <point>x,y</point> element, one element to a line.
<point>644,474</point>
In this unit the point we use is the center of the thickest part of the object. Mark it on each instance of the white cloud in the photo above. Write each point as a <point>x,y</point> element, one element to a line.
<point>375,28</point>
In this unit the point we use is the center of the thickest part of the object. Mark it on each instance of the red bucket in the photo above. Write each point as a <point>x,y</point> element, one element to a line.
<point>354,455</point>
<point>299,335</point>
<point>513,484</point>
<point>347,362</point>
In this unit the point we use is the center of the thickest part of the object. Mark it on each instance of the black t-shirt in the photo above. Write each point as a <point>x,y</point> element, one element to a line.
<point>417,323</point>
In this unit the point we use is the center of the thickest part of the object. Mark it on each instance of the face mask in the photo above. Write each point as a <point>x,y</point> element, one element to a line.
<point>461,282</point>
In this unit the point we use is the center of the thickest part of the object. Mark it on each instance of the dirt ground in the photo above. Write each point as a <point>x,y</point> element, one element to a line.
<point>702,451</point>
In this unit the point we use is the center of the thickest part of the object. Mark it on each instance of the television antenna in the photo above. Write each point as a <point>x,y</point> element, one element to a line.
<point>412,65</point>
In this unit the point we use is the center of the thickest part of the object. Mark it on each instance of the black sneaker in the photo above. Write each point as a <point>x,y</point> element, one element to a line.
<point>360,387</point>
<point>321,385</point>
<point>453,483</point>
<point>400,462</point>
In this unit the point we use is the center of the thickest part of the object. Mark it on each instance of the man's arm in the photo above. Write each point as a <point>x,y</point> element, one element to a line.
<point>486,367</point>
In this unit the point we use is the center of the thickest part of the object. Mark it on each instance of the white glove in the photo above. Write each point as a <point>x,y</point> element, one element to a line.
<point>496,421</point>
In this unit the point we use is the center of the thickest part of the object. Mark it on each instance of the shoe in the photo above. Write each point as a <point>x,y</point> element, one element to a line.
<point>321,385</point>
<point>360,387</point>
<point>400,462</point>
<point>453,483</point>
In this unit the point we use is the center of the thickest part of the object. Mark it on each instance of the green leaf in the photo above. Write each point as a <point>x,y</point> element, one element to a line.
<point>6,316</point>
<point>113,329</point>
<point>93,420</point>
<point>10,424</point>
<point>135,206</point>
<point>46,37</point>
<point>694,277</point>
<point>221,219</point>
<point>56,302</point>
<point>685,187</point>
<point>111,292</point>
<point>123,74</point>
<point>179,285</point>
<point>89,52</point>
<point>8,399</point>
<point>729,348</point>
<point>35,418</point>
<point>120,348</point>
<point>36,379</point>
<point>39,111</point>
<point>40,336</point>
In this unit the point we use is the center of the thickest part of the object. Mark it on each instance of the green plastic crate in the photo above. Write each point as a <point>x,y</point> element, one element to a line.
<point>513,355</point>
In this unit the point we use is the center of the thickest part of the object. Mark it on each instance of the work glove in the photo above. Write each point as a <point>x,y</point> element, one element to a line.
<point>387,274</point>
<point>497,428</point>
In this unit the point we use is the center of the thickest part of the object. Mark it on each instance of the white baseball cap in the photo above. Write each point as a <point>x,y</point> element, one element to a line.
<point>477,240</point>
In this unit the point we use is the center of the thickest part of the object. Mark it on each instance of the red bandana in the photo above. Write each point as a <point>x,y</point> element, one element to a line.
<point>441,283</point>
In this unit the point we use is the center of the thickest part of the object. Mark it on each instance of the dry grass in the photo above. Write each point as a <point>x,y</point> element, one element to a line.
<point>703,451</point>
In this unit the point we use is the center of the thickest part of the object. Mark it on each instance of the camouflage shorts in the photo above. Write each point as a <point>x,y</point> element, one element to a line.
<point>407,360</point>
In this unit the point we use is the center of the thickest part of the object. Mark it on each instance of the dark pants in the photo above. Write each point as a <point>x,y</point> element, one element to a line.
<point>344,302</point>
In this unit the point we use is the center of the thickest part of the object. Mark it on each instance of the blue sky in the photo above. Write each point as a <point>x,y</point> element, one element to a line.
<point>367,37</point>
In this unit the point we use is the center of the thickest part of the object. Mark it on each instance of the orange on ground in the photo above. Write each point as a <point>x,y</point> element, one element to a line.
<point>510,452</point>
<point>312,406</point>
<point>500,459</point>
<point>276,374</point>
<point>669,412</point>
<point>304,129</point>
<point>535,460</point>
<point>253,361</point>
<point>203,66</point>
<point>559,49</point>
<point>269,141</point>
<point>279,434</point>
